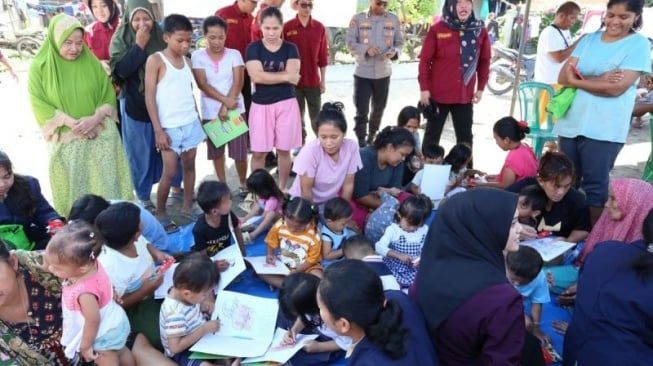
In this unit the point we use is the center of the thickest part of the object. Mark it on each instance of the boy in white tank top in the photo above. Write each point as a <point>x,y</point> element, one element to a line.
<point>172,109</point>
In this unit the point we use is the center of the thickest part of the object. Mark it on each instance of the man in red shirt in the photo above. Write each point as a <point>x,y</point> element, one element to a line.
<point>256,27</point>
<point>238,17</point>
<point>309,36</point>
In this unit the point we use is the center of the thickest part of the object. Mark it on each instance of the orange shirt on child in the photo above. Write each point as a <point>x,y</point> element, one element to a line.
<point>296,248</point>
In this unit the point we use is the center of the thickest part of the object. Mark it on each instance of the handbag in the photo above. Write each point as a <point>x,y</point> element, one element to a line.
<point>561,101</point>
<point>16,236</point>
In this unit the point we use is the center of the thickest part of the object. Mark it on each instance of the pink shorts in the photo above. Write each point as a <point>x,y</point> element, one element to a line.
<point>276,125</point>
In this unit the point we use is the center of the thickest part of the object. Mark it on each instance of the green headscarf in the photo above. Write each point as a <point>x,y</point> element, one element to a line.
<point>125,38</point>
<point>77,88</point>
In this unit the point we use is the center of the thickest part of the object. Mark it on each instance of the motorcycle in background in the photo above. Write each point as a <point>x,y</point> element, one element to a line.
<point>27,42</point>
<point>504,67</point>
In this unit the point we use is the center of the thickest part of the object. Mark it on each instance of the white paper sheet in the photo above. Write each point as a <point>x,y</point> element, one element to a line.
<point>247,325</point>
<point>162,290</point>
<point>232,255</point>
<point>549,248</point>
<point>282,353</point>
<point>262,267</point>
<point>434,181</point>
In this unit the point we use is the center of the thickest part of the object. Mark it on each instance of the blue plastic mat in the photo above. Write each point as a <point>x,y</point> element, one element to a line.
<point>249,283</point>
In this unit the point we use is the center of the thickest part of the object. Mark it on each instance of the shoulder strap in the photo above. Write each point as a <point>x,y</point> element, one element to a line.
<point>231,227</point>
<point>561,35</point>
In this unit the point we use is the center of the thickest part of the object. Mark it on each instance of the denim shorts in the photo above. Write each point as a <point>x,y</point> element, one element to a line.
<point>115,339</point>
<point>186,137</point>
<point>183,359</point>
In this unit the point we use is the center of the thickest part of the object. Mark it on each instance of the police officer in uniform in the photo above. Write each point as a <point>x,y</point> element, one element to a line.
<point>374,38</point>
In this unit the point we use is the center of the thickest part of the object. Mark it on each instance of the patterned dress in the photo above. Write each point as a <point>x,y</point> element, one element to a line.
<point>35,342</point>
<point>401,241</point>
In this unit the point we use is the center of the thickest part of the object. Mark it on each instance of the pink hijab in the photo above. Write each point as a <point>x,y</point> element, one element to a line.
<point>635,199</point>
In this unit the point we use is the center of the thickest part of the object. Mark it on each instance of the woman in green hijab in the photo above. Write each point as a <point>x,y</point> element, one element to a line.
<point>74,103</point>
<point>137,37</point>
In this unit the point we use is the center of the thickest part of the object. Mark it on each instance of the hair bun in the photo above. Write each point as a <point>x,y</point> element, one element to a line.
<point>333,106</point>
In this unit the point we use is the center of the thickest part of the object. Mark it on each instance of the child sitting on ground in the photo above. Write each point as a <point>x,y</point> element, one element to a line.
<point>401,244</point>
<point>127,256</point>
<point>531,204</point>
<point>298,303</point>
<point>216,228</point>
<point>171,105</point>
<point>524,271</point>
<point>128,259</point>
<point>181,319</point>
<point>360,247</point>
<point>270,202</point>
<point>295,238</point>
<point>409,118</point>
<point>432,154</point>
<point>334,230</point>
<point>520,162</point>
<point>459,158</point>
<point>95,327</point>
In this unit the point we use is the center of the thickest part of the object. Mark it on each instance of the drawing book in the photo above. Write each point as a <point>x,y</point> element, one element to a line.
<point>221,132</point>
<point>262,267</point>
<point>247,326</point>
<point>434,181</point>
<point>282,353</point>
<point>162,290</point>
<point>549,248</point>
<point>232,255</point>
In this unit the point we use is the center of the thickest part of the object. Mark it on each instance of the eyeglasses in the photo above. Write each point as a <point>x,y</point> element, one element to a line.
<point>306,5</point>
<point>382,3</point>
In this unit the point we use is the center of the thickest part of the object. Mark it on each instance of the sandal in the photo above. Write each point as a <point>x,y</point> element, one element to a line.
<point>242,192</point>
<point>168,225</point>
<point>148,205</point>
<point>193,215</point>
<point>176,195</point>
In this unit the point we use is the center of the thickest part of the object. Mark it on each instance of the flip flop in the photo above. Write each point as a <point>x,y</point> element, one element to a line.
<point>242,192</point>
<point>193,215</point>
<point>148,205</point>
<point>168,225</point>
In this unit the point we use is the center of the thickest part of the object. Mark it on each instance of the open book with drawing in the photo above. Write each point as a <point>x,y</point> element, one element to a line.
<point>247,325</point>
<point>549,248</point>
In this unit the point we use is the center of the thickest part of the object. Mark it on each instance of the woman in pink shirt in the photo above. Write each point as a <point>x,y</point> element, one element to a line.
<point>326,166</point>
<point>521,161</point>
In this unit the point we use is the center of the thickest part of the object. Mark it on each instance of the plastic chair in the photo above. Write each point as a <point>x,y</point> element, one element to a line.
<point>533,97</point>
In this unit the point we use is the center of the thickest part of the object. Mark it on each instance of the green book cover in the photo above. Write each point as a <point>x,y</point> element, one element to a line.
<point>205,356</point>
<point>221,132</point>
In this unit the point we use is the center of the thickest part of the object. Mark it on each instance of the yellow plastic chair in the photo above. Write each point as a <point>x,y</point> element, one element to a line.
<point>533,97</point>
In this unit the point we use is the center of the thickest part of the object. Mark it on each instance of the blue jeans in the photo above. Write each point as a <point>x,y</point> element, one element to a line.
<point>593,160</point>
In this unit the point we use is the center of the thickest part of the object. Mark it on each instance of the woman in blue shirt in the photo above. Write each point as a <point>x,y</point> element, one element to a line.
<point>604,68</point>
<point>24,212</point>
<point>613,317</point>
<point>386,329</point>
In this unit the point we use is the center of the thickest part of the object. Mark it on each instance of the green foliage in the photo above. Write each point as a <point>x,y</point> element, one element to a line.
<point>409,11</point>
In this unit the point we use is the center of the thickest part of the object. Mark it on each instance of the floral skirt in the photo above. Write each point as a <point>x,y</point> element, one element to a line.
<point>84,166</point>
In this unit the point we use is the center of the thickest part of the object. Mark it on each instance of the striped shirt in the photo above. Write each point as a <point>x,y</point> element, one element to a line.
<point>295,248</point>
<point>177,319</point>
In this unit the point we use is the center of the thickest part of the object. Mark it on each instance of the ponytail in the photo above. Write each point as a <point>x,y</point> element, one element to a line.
<point>363,303</point>
<point>301,210</point>
<point>388,332</point>
<point>511,128</point>
<point>332,113</point>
